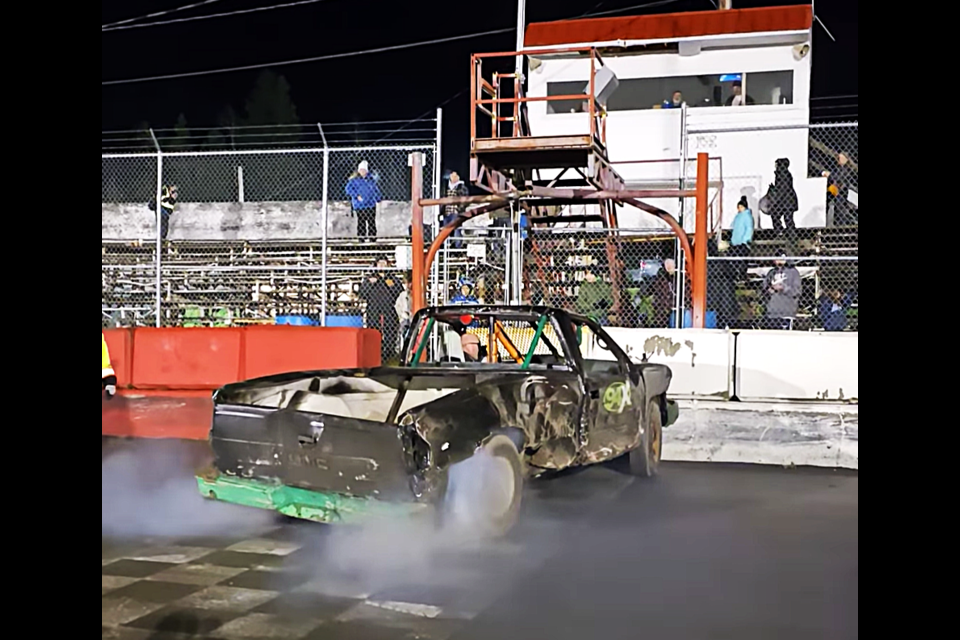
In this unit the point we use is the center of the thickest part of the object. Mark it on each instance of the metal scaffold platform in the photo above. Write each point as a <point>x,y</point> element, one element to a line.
<point>539,176</point>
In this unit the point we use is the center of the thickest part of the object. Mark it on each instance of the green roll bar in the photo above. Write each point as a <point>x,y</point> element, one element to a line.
<point>536,340</point>
<point>423,343</point>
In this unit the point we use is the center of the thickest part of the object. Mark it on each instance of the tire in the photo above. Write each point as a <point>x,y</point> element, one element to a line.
<point>645,459</point>
<point>484,492</point>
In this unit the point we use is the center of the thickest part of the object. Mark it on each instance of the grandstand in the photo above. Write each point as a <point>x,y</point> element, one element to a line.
<point>220,282</point>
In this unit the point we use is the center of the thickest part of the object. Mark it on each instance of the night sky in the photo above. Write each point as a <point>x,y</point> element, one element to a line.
<point>382,86</point>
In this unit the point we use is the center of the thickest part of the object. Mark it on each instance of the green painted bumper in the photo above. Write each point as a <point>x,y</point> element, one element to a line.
<point>673,412</point>
<point>302,503</point>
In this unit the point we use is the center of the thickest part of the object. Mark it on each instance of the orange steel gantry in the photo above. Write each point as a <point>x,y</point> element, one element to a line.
<point>507,160</point>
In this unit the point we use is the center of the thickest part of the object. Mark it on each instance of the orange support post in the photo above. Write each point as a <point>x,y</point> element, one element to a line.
<point>418,298</point>
<point>699,284</point>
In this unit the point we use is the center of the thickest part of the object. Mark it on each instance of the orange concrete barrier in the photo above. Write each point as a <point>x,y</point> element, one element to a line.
<point>184,415</point>
<point>186,357</point>
<point>166,376</point>
<point>279,349</point>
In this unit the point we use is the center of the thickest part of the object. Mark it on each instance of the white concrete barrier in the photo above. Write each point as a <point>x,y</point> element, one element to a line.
<point>780,433</point>
<point>798,394</point>
<point>797,365</point>
<point>701,360</point>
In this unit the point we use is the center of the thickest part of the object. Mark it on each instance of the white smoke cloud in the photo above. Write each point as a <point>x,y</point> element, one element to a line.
<point>148,489</point>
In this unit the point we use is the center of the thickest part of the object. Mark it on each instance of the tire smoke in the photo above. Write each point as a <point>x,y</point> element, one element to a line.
<point>148,489</point>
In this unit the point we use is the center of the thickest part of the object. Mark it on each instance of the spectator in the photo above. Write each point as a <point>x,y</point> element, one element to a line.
<point>840,182</point>
<point>782,284</point>
<point>781,199</point>
<point>664,293</point>
<point>403,307</point>
<point>833,310</point>
<point>455,189</point>
<point>380,292</point>
<point>674,103</point>
<point>594,298</point>
<point>168,202</point>
<point>721,287</point>
<point>742,236</point>
<point>465,294</point>
<point>738,99</point>
<point>364,195</point>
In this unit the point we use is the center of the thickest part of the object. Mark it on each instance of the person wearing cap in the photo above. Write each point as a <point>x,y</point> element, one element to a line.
<point>782,284</point>
<point>455,189</point>
<point>108,377</point>
<point>465,294</point>
<point>742,234</point>
<point>364,195</point>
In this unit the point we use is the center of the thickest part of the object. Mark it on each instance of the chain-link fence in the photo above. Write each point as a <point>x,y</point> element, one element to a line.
<point>287,234</point>
<point>821,160</point>
<point>624,278</point>
<point>803,293</point>
<point>630,278</point>
<point>224,235</point>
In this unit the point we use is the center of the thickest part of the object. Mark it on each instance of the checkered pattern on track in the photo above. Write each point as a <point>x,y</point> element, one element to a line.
<point>254,589</point>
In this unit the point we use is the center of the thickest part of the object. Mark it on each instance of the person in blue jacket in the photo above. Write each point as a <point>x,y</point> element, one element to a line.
<point>465,295</point>
<point>364,195</point>
<point>833,310</point>
<point>742,236</point>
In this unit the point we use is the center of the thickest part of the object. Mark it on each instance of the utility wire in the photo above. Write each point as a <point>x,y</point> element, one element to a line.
<point>159,13</point>
<point>350,54</point>
<point>645,5</point>
<point>214,15</point>
<point>332,56</point>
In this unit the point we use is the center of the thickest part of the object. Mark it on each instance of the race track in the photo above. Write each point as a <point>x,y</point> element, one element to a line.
<point>704,551</point>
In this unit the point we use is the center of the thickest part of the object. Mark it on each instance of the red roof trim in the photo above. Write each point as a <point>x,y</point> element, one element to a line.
<point>669,25</point>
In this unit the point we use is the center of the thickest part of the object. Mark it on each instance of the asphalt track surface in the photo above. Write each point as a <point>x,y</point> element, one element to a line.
<point>703,551</point>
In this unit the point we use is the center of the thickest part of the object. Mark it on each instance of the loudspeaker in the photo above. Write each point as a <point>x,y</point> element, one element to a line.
<point>605,82</point>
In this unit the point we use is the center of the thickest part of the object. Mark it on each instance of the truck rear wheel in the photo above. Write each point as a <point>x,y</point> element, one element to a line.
<point>645,459</point>
<point>484,491</point>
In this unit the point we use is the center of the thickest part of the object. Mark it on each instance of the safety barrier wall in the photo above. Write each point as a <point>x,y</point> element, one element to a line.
<point>750,365</point>
<point>200,358</point>
<point>166,375</point>
<point>798,394</point>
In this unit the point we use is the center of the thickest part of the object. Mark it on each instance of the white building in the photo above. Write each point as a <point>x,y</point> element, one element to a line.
<point>701,54</point>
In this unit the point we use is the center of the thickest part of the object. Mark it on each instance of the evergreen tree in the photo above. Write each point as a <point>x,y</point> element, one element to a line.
<point>269,103</point>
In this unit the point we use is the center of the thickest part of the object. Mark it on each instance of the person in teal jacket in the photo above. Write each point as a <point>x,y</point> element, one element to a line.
<point>742,235</point>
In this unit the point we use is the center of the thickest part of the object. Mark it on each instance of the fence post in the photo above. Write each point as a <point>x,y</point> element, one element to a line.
<point>439,283</point>
<point>323,241</point>
<point>700,244</point>
<point>418,300</point>
<point>159,208</point>
<point>323,221</point>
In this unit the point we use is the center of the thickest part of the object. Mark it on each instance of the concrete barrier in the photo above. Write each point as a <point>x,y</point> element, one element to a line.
<point>166,376</point>
<point>701,360</point>
<point>772,433</point>
<point>760,397</point>
<point>797,365</point>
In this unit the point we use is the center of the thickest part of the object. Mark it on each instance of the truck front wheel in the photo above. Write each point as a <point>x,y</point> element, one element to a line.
<point>645,459</point>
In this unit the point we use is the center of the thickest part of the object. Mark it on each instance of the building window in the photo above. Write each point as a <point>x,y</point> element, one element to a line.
<point>770,87</point>
<point>716,90</point>
<point>567,89</point>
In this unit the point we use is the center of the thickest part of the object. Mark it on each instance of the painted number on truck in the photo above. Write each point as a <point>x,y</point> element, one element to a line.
<point>616,398</point>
